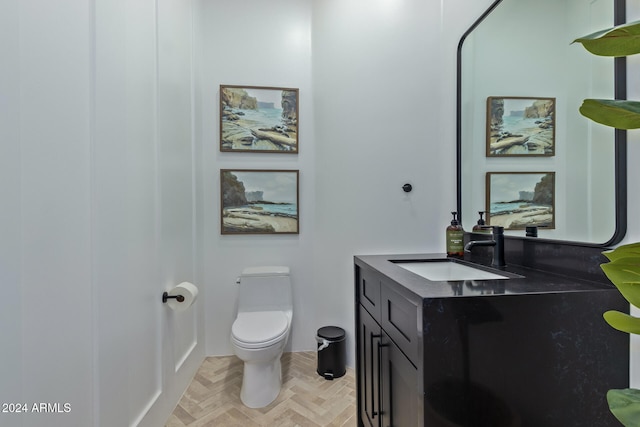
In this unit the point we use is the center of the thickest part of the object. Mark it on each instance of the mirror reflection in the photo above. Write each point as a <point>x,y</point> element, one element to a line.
<point>528,158</point>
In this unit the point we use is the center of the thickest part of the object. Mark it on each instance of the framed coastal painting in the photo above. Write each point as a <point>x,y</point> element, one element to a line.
<point>516,200</point>
<point>255,201</point>
<point>258,119</point>
<point>520,126</point>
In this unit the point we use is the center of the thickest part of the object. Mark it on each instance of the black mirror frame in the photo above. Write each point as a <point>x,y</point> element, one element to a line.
<point>620,138</point>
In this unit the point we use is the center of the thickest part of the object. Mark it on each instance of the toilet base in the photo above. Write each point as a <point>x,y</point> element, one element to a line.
<point>261,383</point>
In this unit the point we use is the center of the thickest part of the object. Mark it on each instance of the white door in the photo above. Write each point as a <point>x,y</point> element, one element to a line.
<point>144,221</point>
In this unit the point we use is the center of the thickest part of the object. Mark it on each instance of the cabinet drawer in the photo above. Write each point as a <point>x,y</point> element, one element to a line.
<point>369,291</point>
<point>400,321</point>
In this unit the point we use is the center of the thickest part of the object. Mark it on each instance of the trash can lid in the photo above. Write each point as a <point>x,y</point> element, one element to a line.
<point>331,333</point>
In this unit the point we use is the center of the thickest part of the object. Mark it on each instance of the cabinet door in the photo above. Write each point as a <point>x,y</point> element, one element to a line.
<point>369,369</point>
<point>402,403</point>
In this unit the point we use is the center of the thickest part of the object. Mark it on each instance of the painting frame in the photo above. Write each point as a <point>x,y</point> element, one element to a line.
<point>534,205</point>
<point>528,131</point>
<point>252,121</point>
<point>244,208</point>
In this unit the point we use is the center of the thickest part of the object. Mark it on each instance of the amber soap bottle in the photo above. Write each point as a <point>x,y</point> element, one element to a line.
<point>454,235</point>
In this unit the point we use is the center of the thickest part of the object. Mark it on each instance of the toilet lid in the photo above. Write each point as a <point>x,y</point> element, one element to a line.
<point>256,327</point>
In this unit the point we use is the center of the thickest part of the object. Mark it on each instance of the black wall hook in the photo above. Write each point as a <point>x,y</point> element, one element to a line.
<point>407,188</point>
<point>166,296</point>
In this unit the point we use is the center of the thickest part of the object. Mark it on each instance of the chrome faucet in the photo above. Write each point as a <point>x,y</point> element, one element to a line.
<point>497,243</point>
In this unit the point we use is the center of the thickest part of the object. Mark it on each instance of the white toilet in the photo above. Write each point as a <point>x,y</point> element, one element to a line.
<point>261,330</point>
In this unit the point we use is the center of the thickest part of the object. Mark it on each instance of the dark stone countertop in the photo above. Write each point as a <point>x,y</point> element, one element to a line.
<point>532,281</point>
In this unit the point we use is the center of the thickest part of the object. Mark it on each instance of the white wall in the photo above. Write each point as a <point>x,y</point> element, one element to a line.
<point>241,46</point>
<point>377,100</point>
<point>381,121</point>
<point>98,210</point>
<point>46,205</point>
<point>10,208</point>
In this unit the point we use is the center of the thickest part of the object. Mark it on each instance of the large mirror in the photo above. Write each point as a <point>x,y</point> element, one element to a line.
<point>525,154</point>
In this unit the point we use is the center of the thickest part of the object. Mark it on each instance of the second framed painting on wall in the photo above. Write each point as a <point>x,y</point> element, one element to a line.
<point>258,119</point>
<point>259,201</point>
<point>520,127</point>
<point>516,200</point>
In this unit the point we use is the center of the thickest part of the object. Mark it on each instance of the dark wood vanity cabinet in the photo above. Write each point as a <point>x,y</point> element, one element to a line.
<point>531,352</point>
<point>389,393</point>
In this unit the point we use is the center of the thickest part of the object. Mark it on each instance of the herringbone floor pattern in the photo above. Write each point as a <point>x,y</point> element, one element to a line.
<point>306,399</point>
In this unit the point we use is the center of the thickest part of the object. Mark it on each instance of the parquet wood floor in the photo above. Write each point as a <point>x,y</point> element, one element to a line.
<point>306,399</point>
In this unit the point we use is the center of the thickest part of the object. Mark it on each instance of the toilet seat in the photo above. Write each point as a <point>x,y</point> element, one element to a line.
<point>258,329</point>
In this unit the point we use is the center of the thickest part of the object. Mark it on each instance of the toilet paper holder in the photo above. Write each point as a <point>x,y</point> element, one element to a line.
<point>166,296</point>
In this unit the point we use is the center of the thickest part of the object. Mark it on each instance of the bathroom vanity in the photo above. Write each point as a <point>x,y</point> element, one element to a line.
<point>527,349</point>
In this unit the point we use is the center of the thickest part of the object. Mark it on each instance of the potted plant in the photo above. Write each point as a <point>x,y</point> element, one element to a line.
<point>623,268</point>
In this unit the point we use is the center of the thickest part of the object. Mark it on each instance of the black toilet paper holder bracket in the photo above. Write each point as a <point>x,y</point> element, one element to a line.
<point>166,296</point>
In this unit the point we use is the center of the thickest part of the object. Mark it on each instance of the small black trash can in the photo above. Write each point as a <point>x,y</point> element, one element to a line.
<point>332,352</point>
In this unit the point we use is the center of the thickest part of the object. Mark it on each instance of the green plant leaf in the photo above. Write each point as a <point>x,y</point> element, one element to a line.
<point>622,40</point>
<point>622,322</point>
<point>620,114</point>
<point>625,406</point>
<point>624,273</point>
<point>623,251</point>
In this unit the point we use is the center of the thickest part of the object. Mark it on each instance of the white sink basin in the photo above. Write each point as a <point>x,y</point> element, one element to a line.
<point>444,270</point>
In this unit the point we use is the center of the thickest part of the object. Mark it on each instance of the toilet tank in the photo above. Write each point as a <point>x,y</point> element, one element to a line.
<point>265,288</point>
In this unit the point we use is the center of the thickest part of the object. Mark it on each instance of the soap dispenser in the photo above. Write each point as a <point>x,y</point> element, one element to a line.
<point>481,227</point>
<point>455,234</point>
